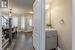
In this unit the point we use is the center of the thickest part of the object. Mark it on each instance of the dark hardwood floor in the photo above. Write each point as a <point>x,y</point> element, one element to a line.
<point>23,41</point>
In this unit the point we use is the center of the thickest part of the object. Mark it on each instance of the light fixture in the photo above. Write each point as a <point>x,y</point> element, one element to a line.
<point>10,12</point>
<point>31,12</point>
<point>4,3</point>
<point>47,6</point>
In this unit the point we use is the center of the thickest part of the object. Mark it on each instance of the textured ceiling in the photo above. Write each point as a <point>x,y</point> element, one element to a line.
<point>19,7</point>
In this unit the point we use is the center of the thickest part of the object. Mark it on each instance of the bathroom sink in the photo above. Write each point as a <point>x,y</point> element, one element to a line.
<point>49,29</point>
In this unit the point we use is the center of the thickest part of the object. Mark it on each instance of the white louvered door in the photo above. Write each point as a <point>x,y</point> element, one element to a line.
<point>38,24</point>
<point>0,33</point>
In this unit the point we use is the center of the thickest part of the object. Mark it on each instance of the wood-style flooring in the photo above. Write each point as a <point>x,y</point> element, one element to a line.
<point>23,41</point>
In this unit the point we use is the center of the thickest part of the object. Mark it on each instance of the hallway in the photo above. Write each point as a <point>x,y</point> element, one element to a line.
<point>24,41</point>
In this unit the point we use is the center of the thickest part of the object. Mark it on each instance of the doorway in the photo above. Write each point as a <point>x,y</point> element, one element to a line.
<point>16,22</point>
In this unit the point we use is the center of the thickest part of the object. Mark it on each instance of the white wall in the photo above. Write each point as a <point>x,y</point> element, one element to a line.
<point>62,9</point>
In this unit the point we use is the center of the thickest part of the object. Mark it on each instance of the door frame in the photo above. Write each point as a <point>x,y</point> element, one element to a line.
<point>73,24</point>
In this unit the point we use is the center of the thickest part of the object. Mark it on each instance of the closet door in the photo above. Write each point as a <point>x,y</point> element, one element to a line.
<point>38,25</point>
<point>0,33</point>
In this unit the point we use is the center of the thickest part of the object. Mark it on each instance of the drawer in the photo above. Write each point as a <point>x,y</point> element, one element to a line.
<point>51,36</point>
<point>51,43</point>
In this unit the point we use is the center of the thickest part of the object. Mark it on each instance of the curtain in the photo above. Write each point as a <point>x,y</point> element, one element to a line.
<point>22,22</point>
<point>14,21</point>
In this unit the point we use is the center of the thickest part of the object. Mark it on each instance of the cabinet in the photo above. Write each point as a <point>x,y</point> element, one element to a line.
<point>51,39</point>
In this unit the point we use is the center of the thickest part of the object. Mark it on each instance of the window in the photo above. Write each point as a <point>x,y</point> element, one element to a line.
<point>14,21</point>
<point>30,22</point>
<point>22,22</point>
<point>4,22</point>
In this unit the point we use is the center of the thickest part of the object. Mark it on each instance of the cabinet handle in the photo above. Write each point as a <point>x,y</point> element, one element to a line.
<point>48,37</point>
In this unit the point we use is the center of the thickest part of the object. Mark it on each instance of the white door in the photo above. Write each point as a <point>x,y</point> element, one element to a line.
<point>0,34</point>
<point>38,25</point>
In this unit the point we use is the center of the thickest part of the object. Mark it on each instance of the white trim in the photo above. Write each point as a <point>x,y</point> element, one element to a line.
<point>73,25</point>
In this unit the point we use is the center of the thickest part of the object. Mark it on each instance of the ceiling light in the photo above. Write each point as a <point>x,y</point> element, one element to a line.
<point>47,6</point>
<point>10,15</point>
<point>10,12</point>
<point>3,3</point>
<point>31,12</point>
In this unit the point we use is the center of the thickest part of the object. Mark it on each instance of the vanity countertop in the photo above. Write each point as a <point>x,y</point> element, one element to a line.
<point>49,29</point>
